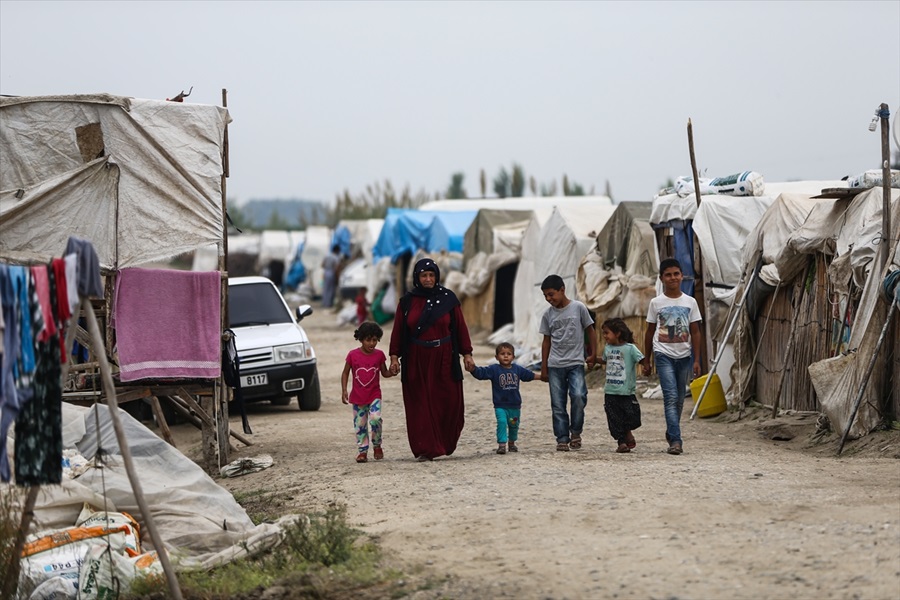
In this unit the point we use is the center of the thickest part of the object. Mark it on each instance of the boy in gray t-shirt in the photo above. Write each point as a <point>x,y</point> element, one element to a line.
<point>562,360</point>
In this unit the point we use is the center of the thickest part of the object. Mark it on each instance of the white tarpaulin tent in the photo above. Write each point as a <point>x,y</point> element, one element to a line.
<point>554,247</point>
<point>101,168</point>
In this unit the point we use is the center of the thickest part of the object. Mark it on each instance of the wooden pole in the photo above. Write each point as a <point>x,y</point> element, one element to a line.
<point>884,114</point>
<point>113,404</point>
<point>694,172</point>
<point>865,381</point>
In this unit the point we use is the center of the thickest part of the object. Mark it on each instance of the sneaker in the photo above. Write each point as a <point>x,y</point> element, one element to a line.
<point>674,448</point>
<point>575,444</point>
<point>379,453</point>
<point>630,441</point>
<point>562,447</point>
<point>501,449</point>
<point>361,457</point>
<point>513,447</point>
<point>623,448</point>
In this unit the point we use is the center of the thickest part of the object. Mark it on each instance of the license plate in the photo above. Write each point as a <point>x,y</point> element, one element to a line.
<point>254,380</point>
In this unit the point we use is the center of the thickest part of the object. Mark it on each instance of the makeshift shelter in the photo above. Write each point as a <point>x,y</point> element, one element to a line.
<point>554,247</point>
<point>141,180</point>
<point>313,245</point>
<point>136,182</point>
<point>707,241</point>
<point>811,321</point>
<point>617,277</point>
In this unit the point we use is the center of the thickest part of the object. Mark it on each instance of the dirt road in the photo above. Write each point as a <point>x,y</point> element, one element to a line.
<point>735,516</point>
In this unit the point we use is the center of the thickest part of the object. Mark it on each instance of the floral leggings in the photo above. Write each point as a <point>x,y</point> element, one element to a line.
<point>367,416</point>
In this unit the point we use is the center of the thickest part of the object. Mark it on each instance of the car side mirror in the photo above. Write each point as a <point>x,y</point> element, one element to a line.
<point>304,310</point>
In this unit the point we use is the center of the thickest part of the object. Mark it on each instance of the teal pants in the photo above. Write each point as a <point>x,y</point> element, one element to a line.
<point>507,424</point>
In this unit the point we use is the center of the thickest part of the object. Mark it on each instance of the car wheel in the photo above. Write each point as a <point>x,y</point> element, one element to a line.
<point>310,398</point>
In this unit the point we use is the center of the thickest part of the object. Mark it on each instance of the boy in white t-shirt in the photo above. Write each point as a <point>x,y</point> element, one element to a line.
<point>673,333</point>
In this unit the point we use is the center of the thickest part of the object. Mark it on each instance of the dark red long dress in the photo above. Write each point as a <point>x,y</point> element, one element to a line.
<point>435,412</point>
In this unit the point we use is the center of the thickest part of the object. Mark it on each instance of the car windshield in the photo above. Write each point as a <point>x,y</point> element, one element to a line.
<point>255,304</point>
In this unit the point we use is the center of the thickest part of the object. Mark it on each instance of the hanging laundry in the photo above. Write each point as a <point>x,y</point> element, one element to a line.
<point>89,282</point>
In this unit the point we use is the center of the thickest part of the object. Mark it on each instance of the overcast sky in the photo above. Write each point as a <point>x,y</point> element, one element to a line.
<point>328,96</point>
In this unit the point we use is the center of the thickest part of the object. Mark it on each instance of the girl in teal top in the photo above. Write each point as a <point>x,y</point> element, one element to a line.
<point>621,356</point>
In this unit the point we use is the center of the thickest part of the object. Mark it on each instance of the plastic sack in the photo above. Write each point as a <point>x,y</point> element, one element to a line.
<point>873,178</point>
<point>746,183</point>
<point>61,587</point>
<point>104,574</point>
<point>61,553</point>
<point>90,517</point>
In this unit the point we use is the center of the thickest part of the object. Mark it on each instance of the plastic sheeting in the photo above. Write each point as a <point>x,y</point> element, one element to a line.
<point>406,231</point>
<point>616,278</point>
<point>140,179</point>
<point>199,521</point>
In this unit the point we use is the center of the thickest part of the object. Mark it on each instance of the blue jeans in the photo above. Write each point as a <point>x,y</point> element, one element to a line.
<point>507,424</point>
<point>673,378</point>
<point>563,381</point>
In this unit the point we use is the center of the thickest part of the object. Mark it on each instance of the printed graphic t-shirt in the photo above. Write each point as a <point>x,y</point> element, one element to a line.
<point>673,318</point>
<point>620,364</point>
<point>365,370</point>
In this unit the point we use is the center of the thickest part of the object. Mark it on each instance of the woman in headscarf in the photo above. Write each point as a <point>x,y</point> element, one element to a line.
<point>428,337</point>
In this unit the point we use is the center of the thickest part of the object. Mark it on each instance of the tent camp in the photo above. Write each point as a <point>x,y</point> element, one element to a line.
<point>553,247</point>
<point>811,321</point>
<point>492,249</point>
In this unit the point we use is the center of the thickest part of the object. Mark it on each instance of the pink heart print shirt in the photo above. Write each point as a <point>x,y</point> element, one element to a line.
<point>366,373</point>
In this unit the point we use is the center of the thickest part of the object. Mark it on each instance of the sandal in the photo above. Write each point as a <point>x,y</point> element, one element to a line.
<point>379,453</point>
<point>562,447</point>
<point>361,457</point>
<point>675,448</point>
<point>575,444</point>
<point>513,447</point>
<point>501,449</point>
<point>623,448</point>
<point>630,441</point>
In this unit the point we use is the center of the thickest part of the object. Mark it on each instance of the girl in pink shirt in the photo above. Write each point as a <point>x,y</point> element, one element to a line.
<point>367,364</point>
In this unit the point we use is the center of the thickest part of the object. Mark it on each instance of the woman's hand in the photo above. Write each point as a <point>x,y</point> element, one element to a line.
<point>395,366</point>
<point>469,362</point>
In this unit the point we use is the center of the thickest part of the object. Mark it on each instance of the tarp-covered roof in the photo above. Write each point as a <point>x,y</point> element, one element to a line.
<point>140,179</point>
<point>408,230</point>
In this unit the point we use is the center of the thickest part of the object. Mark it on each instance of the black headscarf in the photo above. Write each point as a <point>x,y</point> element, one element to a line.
<point>438,300</point>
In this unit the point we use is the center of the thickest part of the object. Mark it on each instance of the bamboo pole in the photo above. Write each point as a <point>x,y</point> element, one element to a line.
<point>694,172</point>
<point>790,346</point>
<point>862,388</point>
<point>113,404</point>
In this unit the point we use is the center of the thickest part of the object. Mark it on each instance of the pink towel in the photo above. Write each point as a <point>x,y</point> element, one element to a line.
<point>167,324</point>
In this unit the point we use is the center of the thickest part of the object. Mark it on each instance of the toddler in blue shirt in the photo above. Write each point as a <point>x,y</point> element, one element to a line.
<point>505,378</point>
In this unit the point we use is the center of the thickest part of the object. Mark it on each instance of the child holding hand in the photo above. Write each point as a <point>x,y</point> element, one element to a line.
<point>366,364</point>
<point>505,378</point>
<point>621,357</point>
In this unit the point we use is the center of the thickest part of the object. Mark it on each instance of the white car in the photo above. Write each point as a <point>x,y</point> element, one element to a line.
<point>277,359</point>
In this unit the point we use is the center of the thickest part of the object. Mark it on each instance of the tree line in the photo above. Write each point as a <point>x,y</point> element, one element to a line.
<point>374,201</point>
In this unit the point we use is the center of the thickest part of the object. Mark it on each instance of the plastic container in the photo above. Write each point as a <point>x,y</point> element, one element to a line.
<point>714,399</point>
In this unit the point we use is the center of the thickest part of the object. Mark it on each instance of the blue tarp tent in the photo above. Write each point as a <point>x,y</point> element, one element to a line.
<point>407,230</point>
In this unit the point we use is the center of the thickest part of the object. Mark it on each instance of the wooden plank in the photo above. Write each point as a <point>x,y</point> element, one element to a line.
<point>161,421</point>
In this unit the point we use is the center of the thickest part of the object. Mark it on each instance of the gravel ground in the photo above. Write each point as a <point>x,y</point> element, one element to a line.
<point>738,515</point>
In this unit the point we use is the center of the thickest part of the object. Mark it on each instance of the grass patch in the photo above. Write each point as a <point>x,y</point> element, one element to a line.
<point>321,556</point>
